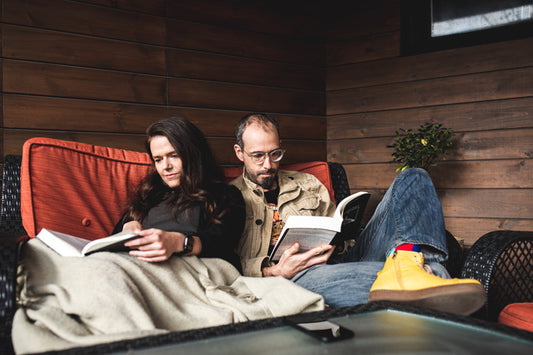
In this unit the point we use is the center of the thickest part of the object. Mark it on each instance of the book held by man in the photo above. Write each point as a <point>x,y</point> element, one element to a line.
<point>69,245</point>
<point>312,231</point>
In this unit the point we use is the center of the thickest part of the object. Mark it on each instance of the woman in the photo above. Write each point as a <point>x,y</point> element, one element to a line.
<point>183,207</point>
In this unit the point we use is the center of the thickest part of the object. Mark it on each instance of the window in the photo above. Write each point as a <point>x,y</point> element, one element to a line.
<point>431,25</point>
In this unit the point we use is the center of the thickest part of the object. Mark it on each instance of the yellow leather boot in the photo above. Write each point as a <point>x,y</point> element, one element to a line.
<point>403,279</point>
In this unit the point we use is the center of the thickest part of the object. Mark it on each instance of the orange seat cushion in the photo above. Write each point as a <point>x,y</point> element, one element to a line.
<point>518,315</point>
<point>82,189</point>
<point>77,188</point>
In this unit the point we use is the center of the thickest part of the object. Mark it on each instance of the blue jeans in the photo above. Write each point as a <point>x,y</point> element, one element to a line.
<point>410,212</point>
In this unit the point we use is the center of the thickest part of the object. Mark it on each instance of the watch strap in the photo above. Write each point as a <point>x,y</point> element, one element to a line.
<point>188,243</point>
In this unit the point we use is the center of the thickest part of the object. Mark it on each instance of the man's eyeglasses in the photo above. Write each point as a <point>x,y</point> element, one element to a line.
<point>260,157</point>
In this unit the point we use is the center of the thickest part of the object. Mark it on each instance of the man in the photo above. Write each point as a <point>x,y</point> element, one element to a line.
<point>387,261</point>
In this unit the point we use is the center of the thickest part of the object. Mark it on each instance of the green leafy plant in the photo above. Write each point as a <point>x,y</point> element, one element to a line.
<point>421,149</point>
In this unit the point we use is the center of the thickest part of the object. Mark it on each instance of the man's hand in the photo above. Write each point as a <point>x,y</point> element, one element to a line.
<point>156,244</point>
<point>292,262</point>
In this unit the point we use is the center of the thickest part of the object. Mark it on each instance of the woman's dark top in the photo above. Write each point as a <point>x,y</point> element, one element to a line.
<point>219,240</point>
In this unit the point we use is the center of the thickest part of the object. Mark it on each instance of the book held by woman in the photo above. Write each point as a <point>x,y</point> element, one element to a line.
<point>69,245</point>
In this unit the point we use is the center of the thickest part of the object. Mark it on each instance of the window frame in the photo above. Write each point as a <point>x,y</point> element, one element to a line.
<point>416,31</point>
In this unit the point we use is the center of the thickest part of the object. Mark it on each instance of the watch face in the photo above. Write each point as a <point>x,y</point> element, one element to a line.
<point>188,243</point>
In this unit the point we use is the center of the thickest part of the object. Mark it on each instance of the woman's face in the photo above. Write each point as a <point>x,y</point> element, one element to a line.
<point>167,162</point>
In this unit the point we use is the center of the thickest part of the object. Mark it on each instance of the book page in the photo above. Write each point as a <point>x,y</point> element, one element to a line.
<point>114,242</point>
<point>313,222</point>
<point>339,211</point>
<point>63,244</point>
<point>307,237</point>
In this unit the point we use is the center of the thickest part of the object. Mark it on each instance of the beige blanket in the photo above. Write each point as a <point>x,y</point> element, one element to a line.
<point>66,302</point>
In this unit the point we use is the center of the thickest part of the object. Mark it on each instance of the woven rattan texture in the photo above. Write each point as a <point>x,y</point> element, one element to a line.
<point>10,228</point>
<point>455,261</point>
<point>503,262</point>
<point>8,262</point>
<point>10,218</point>
<point>341,188</point>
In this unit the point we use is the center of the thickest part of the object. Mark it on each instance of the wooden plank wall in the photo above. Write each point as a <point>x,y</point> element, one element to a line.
<point>100,71</point>
<point>484,93</point>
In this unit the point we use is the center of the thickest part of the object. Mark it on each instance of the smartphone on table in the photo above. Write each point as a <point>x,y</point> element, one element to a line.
<point>321,329</point>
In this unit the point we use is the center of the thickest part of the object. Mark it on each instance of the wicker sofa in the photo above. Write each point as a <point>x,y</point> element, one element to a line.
<point>495,260</point>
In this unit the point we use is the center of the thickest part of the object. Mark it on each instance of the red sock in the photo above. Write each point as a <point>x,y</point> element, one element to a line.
<point>408,247</point>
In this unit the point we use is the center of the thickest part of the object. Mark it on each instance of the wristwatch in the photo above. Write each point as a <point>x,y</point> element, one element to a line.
<point>188,243</point>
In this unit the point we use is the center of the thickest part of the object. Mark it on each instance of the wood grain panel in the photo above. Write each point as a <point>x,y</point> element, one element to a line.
<point>14,139</point>
<point>49,113</point>
<point>485,145</point>
<point>154,7</point>
<point>504,144</point>
<point>506,208</point>
<point>36,112</point>
<point>57,47</point>
<point>490,115</point>
<point>201,65</point>
<point>370,176</point>
<point>244,97</point>
<point>458,175</point>
<point>471,229</point>
<point>205,37</point>
<point>501,174</point>
<point>297,151</point>
<point>2,144</point>
<point>65,81</point>
<point>364,48</point>
<point>353,151</point>
<point>349,19</point>
<point>505,84</point>
<point>461,61</point>
<point>223,122</point>
<point>298,19</point>
<point>77,17</point>
<point>487,203</point>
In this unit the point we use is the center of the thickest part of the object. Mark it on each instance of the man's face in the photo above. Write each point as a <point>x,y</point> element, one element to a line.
<point>260,139</point>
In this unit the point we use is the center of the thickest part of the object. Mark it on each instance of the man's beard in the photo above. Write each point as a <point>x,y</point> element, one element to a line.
<point>268,182</point>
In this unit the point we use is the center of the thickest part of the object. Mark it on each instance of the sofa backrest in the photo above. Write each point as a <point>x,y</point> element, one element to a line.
<point>77,188</point>
<point>82,189</point>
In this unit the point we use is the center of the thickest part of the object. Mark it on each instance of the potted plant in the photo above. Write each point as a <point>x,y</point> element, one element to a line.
<point>421,149</point>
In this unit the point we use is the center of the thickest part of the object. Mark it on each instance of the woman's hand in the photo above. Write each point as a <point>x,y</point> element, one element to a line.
<point>158,245</point>
<point>132,226</point>
<point>292,262</point>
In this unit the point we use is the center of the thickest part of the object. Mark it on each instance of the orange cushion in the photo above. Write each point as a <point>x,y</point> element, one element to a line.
<point>319,169</point>
<point>82,189</point>
<point>77,188</point>
<point>518,315</point>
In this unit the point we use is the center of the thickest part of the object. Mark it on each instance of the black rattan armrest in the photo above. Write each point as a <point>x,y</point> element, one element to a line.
<point>12,233</point>
<point>8,272</point>
<point>10,217</point>
<point>341,188</point>
<point>503,262</point>
<point>455,261</point>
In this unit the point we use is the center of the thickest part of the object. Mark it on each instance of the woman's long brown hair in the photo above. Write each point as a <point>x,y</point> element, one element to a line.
<point>201,174</point>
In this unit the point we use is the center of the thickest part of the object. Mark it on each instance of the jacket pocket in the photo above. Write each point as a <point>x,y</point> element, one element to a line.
<point>308,204</point>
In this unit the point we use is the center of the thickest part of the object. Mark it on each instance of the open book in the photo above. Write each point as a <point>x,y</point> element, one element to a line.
<point>312,231</point>
<point>68,245</point>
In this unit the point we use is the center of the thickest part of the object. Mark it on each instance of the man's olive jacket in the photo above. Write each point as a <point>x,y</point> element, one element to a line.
<point>300,194</point>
